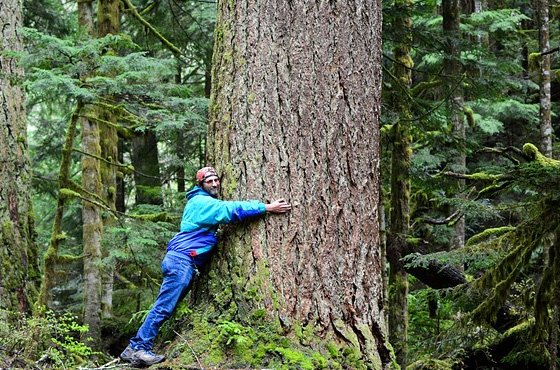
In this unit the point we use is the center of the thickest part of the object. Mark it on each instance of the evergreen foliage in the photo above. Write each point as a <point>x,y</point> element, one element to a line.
<point>509,202</point>
<point>48,342</point>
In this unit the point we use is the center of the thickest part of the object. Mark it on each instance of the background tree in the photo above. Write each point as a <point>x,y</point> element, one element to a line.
<point>451,13</point>
<point>108,23</point>
<point>92,224</point>
<point>543,25</point>
<point>401,156</point>
<point>18,252</point>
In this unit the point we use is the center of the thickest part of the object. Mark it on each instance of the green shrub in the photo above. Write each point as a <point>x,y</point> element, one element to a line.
<point>49,340</point>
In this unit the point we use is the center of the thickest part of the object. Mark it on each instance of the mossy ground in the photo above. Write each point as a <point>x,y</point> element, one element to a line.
<point>224,344</point>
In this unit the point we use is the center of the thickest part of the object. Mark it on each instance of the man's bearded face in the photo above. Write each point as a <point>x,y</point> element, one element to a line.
<point>211,185</point>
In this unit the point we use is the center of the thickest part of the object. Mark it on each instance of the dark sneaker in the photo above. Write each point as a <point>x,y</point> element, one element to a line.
<point>127,354</point>
<point>140,357</point>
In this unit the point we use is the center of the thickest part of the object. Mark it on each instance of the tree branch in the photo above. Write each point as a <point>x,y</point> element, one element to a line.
<point>506,153</point>
<point>172,48</point>
<point>444,221</point>
<point>128,167</point>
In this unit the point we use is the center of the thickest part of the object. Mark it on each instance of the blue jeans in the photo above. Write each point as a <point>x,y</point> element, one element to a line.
<point>178,272</point>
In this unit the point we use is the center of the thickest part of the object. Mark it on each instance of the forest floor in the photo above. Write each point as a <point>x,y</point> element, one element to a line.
<point>165,365</point>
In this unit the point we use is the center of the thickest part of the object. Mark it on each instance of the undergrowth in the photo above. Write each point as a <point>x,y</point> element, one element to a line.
<point>49,341</point>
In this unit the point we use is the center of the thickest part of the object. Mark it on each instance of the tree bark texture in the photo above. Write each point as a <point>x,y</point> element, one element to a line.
<point>294,113</point>
<point>554,305</point>
<point>99,302</point>
<point>85,16</point>
<point>120,201</point>
<point>397,246</point>
<point>18,252</point>
<point>145,160</point>
<point>180,146</point>
<point>51,257</point>
<point>451,10</point>
<point>92,228</point>
<point>92,224</point>
<point>544,78</point>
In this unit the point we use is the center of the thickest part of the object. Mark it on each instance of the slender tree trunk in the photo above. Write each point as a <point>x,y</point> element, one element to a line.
<point>92,223</point>
<point>553,340</point>
<point>397,246</point>
<point>145,160</point>
<point>57,236</point>
<point>453,70</point>
<point>544,80</point>
<point>180,148</point>
<point>121,189</point>
<point>92,228</point>
<point>294,113</point>
<point>18,252</point>
<point>554,261</point>
<point>208,79</point>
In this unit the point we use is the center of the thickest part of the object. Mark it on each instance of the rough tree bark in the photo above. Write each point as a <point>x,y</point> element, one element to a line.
<point>544,77</point>
<point>451,11</point>
<point>91,214</point>
<point>92,228</point>
<point>18,252</point>
<point>397,246</point>
<point>108,22</point>
<point>294,113</point>
<point>101,138</point>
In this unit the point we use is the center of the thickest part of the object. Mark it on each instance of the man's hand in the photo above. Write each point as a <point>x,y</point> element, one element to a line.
<point>278,206</point>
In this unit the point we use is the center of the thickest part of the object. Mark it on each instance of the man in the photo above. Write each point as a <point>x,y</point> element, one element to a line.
<point>188,250</point>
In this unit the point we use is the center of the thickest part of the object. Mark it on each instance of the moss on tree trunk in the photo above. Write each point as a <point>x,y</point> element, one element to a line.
<point>401,153</point>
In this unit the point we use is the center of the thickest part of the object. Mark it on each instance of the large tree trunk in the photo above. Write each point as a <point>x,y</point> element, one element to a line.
<point>294,113</point>
<point>145,160</point>
<point>18,253</point>
<point>451,10</point>
<point>400,186</point>
<point>544,78</point>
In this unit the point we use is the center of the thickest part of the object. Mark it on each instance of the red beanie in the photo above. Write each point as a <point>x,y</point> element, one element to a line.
<point>204,173</point>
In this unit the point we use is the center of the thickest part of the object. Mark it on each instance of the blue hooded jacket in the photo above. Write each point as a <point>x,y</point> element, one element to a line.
<point>201,217</point>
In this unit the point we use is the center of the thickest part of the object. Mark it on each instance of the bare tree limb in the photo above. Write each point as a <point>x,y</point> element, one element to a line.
<point>187,342</point>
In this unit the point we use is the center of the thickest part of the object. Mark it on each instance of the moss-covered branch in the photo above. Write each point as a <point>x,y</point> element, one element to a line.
<point>507,152</point>
<point>539,177</point>
<point>129,284</point>
<point>488,234</point>
<point>130,8</point>
<point>452,218</point>
<point>154,217</point>
<point>125,168</point>
<point>120,111</point>
<point>76,191</point>
<point>417,90</point>
<point>123,131</point>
